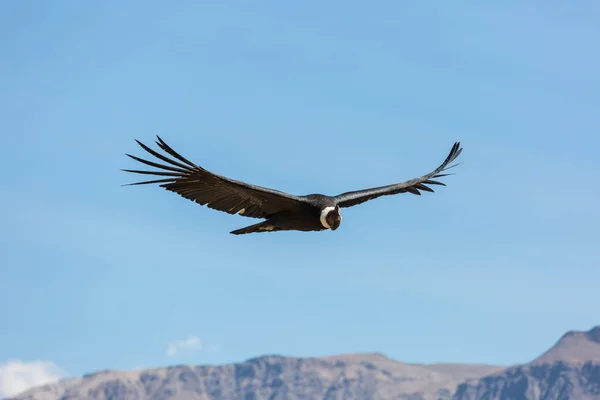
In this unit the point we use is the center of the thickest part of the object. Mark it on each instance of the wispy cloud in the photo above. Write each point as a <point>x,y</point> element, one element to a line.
<point>17,376</point>
<point>190,344</point>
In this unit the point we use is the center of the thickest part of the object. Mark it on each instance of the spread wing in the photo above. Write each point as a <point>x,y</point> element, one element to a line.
<point>413,186</point>
<point>215,191</point>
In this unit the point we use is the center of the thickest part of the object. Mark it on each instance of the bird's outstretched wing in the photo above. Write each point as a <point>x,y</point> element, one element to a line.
<point>215,191</point>
<point>413,186</point>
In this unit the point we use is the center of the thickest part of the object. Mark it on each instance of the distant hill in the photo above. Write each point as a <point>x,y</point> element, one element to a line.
<point>569,370</point>
<point>574,347</point>
<point>354,376</point>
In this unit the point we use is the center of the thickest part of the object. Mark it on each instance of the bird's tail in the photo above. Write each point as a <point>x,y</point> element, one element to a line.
<point>264,226</point>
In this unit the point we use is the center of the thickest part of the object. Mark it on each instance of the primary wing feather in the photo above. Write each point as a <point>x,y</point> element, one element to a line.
<point>413,186</point>
<point>215,191</point>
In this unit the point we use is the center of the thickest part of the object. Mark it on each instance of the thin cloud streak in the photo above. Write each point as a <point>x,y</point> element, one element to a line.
<point>192,343</point>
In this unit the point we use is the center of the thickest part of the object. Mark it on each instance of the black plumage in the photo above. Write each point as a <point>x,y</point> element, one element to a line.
<point>281,211</point>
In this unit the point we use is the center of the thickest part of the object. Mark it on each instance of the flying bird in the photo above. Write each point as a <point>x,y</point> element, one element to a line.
<point>280,211</point>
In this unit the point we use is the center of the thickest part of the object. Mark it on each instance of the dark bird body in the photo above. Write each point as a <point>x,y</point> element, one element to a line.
<point>306,216</point>
<point>281,211</point>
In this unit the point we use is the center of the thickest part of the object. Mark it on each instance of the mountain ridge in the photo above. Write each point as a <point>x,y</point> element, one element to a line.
<point>570,369</point>
<point>325,376</point>
<point>574,347</point>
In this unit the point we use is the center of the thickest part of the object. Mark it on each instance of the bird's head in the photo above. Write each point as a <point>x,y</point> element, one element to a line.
<point>331,217</point>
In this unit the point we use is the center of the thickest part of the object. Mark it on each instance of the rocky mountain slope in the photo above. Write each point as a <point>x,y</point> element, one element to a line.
<point>569,370</point>
<point>357,376</point>
<point>574,347</point>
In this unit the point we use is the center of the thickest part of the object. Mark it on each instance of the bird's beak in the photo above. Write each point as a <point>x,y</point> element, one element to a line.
<point>336,222</point>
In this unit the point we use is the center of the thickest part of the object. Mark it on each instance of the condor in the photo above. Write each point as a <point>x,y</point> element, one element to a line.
<point>280,211</point>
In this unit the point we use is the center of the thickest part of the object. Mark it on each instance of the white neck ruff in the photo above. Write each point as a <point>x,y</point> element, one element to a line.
<point>323,218</point>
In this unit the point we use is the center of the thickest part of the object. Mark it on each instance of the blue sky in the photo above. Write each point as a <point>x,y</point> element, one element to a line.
<point>310,97</point>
